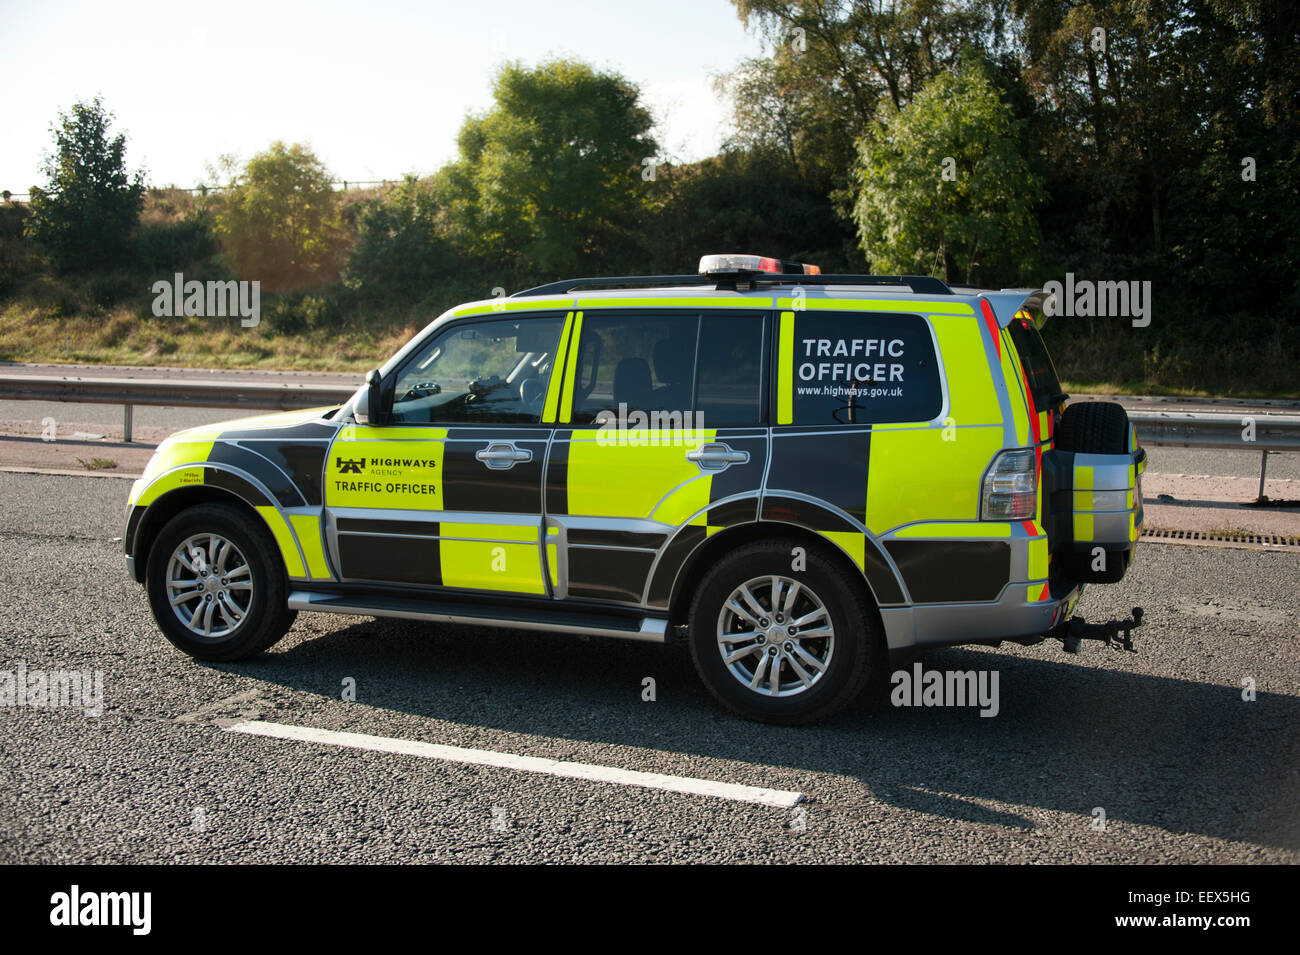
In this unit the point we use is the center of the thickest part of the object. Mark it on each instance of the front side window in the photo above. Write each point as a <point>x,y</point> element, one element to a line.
<point>487,372</point>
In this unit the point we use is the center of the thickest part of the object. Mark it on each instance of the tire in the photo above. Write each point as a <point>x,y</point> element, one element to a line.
<point>1094,427</point>
<point>248,609</point>
<point>850,656</point>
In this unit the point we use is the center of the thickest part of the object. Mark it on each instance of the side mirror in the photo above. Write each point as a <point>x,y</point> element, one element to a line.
<point>367,407</point>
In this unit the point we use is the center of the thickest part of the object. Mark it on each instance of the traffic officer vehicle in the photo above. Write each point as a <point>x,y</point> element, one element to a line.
<point>800,474</point>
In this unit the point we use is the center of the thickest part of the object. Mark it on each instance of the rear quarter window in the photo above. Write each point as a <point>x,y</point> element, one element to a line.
<point>1036,363</point>
<point>863,368</point>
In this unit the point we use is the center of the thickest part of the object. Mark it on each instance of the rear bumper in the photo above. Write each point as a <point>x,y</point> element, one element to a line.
<point>1013,617</point>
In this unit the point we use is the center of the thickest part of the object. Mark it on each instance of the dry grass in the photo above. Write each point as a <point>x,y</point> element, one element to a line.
<point>122,337</point>
<point>97,464</point>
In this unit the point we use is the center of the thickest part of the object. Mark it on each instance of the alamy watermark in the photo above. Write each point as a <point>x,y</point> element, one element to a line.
<point>133,910</point>
<point>1083,298</point>
<point>213,299</point>
<point>41,689</point>
<point>648,429</point>
<point>919,687</point>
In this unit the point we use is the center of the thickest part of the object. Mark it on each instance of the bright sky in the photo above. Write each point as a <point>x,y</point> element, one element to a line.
<point>378,89</point>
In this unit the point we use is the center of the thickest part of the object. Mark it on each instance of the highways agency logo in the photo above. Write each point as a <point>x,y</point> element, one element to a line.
<point>383,467</point>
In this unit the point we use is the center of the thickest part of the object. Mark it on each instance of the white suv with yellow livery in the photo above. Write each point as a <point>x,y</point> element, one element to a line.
<point>798,473</point>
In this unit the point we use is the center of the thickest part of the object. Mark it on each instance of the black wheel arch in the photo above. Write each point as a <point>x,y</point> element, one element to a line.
<point>143,529</point>
<point>713,548</point>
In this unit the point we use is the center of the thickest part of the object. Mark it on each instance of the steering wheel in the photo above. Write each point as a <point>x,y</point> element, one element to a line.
<point>532,392</point>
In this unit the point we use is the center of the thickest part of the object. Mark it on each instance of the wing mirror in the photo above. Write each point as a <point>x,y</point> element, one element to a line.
<point>368,407</point>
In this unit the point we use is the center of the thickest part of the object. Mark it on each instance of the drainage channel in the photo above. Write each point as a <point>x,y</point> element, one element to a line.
<point>1239,539</point>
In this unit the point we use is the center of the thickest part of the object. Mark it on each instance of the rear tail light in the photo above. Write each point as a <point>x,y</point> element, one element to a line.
<point>1010,490</point>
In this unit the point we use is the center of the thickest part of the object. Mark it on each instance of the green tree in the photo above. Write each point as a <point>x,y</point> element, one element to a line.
<point>944,186</point>
<point>403,249</point>
<point>748,200</point>
<point>84,215</point>
<point>278,220</point>
<point>830,66</point>
<point>550,177</point>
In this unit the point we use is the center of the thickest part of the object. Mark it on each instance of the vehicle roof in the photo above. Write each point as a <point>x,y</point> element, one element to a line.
<point>769,294</point>
<point>692,293</point>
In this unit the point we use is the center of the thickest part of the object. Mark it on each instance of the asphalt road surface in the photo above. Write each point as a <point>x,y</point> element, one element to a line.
<point>1161,741</point>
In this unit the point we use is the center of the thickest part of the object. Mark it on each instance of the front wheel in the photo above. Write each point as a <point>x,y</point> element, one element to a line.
<point>216,584</point>
<point>779,644</point>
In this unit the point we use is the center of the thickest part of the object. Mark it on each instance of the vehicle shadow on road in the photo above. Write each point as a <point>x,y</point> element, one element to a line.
<point>1070,735</point>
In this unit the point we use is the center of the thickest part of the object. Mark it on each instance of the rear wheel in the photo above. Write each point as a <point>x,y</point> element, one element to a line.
<point>781,645</point>
<point>216,584</point>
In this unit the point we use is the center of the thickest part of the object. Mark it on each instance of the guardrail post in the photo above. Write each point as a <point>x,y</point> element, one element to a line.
<point>127,414</point>
<point>1263,470</point>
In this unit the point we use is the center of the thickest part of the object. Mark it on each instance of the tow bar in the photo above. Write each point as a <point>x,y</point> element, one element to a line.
<point>1074,631</point>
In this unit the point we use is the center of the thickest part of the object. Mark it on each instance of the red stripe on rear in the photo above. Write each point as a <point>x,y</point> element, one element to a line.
<point>991,321</point>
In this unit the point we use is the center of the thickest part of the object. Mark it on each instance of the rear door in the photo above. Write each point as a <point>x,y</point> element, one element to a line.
<point>447,494</point>
<point>661,440</point>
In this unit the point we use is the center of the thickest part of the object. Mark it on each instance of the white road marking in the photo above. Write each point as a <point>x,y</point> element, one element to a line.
<point>529,764</point>
<point>69,472</point>
<point>1219,477</point>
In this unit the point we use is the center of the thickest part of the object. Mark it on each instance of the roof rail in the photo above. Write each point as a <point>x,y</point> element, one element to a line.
<point>921,284</point>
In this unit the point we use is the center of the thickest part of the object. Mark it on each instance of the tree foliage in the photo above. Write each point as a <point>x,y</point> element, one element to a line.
<point>552,173</point>
<point>831,66</point>
<point>90,204</point>
<point>403,248</point>
<point>743,199</point>
<point>278,221</point>
<point>943,186</point>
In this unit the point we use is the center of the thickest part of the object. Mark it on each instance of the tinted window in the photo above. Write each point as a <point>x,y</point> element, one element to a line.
<point>863,368</point>
<point>673,366</point>
<point>489,372</point>
<point>730,371</point>
<point>1037,365</point>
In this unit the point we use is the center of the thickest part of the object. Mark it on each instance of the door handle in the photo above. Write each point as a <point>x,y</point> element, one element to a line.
<point>715,457</point>
<point>500,457</point>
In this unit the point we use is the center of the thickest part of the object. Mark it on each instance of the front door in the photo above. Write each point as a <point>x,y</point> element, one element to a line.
<point>447,493</point>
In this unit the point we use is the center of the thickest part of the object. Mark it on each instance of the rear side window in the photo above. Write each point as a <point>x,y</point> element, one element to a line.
<point>671,366</point>
<point>862,368</point>
<point>1037,365</point>
<point>729,371</point>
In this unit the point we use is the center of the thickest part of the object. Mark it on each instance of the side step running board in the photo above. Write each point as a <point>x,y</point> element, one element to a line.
<point>596,624</point>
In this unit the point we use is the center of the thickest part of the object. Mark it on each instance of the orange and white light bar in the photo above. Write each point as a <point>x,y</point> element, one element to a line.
<point>735,263</point>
